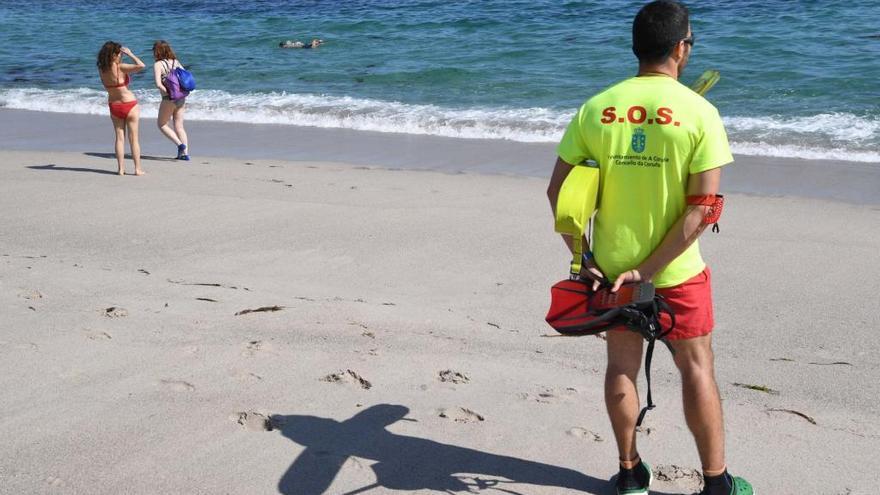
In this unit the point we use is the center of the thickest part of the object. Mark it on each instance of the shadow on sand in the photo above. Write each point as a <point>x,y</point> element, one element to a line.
<point>128,157</point>
<point>52,166</point>
<point>409,463</point>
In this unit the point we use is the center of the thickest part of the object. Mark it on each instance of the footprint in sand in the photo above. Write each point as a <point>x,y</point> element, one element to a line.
<point>30,295</point>
<point>348,376</point>
<point>549,395</point>
<point>53,481</point>
<point>96,335</point>
<point>451,376</point>
<point>115,312</point>
<point>579,432</point>
<point>461,415</point>
<point>365,330</point>
<point>178,385</point>
<point>370,352</point>
<point>244,375</point>
<point>255,346</point>
<point>690,479</point>
<point>253,421</point>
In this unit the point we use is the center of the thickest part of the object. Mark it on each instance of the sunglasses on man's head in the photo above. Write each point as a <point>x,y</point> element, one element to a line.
<point>690,39</point>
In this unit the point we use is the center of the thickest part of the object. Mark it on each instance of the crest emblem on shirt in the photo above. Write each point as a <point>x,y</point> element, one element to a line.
<point>638,140</point>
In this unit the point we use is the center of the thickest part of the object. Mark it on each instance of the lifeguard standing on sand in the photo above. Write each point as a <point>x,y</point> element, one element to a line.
<point>660,148</point>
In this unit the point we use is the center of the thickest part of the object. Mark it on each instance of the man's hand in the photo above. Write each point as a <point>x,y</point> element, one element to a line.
<point>626,277</point>
<point>682,234</point>
<point>591,271</point>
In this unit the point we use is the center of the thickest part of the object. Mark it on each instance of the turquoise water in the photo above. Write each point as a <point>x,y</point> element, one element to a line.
<point>798,78</point>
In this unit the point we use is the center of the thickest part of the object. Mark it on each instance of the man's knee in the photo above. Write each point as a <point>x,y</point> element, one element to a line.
<point>629,368</point>
<point>624,354</point>
<point>694,357</point>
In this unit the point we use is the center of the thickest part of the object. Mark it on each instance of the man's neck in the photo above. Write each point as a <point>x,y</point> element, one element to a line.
<point>667,69</point>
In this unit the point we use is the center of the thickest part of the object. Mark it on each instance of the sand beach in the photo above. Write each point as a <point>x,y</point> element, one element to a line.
<point>324,314</point>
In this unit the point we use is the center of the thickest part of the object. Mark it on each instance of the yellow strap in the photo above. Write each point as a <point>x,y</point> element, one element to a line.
<point>577,251</point>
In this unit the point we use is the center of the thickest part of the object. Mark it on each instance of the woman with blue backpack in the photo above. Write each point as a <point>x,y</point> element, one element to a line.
<point>175,83</point>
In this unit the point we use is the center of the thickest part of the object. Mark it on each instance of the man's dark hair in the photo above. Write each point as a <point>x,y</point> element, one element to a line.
<point>657,28</point>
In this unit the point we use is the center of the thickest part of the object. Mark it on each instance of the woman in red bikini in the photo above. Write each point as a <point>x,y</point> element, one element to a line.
<point>124,109</point>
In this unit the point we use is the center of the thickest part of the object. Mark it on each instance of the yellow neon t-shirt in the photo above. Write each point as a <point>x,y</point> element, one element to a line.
<point>648,134</point>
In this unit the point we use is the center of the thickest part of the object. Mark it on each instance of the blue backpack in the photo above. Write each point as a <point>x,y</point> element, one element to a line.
<point>187,81</point>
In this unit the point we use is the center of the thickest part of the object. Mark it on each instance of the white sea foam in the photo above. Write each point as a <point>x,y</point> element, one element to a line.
<point>835,136</point>
<point>829,136</point>
<point>842,127</point>
<point>793,151</point>
<point>519,124</point>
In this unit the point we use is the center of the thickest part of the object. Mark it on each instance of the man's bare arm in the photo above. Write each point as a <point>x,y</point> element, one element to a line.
<point>683,233</point>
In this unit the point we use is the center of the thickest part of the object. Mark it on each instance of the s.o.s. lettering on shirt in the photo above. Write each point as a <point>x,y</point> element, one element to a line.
<point>638,115</point>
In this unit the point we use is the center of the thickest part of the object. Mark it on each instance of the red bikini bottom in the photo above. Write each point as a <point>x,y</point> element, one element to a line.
<point>121,109</point>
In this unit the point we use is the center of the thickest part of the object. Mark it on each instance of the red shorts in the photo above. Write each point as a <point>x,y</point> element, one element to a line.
<point>691,301</point>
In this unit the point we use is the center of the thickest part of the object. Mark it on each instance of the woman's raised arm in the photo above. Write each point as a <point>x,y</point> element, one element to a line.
<point>137,66</point>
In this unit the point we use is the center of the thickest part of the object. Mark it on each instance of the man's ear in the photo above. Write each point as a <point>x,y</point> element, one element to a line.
<point>678,51</point>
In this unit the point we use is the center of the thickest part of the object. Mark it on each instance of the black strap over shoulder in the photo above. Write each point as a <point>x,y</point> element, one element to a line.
<point>170,66</point>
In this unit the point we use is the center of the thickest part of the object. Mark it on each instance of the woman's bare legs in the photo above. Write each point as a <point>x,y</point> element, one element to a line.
<point>166,110</point>
<point>132,122</point>
<point>178,125</point>
<point>119,130</point>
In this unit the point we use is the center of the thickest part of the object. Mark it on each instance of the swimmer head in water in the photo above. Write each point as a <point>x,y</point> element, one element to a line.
<point>315,43</point>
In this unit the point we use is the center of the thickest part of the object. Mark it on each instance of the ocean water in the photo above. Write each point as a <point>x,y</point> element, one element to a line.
<point>799,78</point>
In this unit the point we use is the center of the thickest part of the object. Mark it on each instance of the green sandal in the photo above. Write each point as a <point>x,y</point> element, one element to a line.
<point>635,481</point>
<point>741,487</point>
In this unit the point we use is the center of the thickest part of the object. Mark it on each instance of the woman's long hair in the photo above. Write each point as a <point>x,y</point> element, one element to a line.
<point>107,55</point>
<point>162,51</point>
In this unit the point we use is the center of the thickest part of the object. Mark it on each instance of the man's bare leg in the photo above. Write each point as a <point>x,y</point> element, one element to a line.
<point>702,402</point>
<point>621,392</point>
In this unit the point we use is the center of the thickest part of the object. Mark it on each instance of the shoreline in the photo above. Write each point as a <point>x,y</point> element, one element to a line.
<point>842,181</point>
